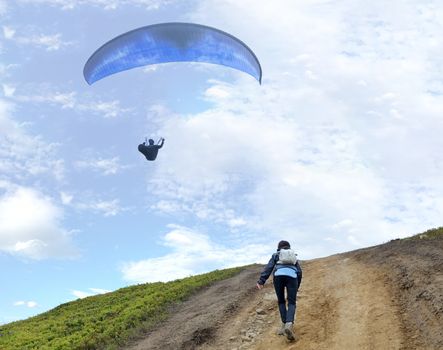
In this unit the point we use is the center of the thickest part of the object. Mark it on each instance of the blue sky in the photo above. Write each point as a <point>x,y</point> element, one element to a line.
<point>338,149</point>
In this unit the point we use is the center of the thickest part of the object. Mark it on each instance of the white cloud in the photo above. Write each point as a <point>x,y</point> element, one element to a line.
<point>92,291</point>
<point>235,222</point>
<point>342,224</point>
<point>66,198</point>
<point>192,253</point>
<point>7,69</point>
<point>216,92</point>
<point>186,239</point>
<point>8,90</point>
<point>30,225</point>
<point>23,154</point>
<point>105,4</point>
<point>109,208</point>
<point>50,42</point>
<point>80,294</point>
<point>108,109</point>
<point>105,207</point>
<point>8,32</point>
<point>106,166</point>
<point>67,100</point>
<point>342,139</point>
<point>30,304</point>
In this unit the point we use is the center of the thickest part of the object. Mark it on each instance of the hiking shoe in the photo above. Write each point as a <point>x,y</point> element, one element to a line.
<point>288,331</point>
<point>281,330</point>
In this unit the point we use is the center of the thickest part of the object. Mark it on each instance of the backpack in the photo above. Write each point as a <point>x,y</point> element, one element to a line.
<point>287,257</point>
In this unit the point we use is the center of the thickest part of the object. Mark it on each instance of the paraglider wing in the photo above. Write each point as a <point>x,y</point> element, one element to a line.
<point>170,42</point>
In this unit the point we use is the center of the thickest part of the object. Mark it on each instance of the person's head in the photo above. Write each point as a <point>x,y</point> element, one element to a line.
<point>283,245</point>
<point>151,142</point>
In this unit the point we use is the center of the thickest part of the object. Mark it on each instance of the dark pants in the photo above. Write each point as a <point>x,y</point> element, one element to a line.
<point>291,285</point>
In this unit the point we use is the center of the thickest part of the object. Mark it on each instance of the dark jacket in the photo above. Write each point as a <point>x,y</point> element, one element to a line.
<point>150,151</point>
<point>273,263</point>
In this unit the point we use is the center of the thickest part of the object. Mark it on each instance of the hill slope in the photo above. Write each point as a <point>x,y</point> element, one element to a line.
<point>384,297</point>
<point>107,320</point>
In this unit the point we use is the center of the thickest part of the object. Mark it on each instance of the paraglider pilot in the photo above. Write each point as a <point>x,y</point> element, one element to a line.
<point>150,151</point>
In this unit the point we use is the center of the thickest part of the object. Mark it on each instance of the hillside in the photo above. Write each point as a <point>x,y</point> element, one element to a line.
<point>104,321</point>
<point>384,297</point>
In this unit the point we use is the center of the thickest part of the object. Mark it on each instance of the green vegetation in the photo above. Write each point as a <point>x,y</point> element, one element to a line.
<point>104,321</point>
<point>429,234</point>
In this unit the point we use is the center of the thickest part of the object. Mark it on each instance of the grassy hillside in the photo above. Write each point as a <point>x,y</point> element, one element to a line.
<point>429,234</point>
<point>103,321</point>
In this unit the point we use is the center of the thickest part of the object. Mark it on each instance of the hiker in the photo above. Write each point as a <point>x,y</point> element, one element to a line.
<point>287,274</point>
<point>150,151</point>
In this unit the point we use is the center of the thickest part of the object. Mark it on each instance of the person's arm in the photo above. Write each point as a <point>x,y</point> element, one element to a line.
<point>266,272</point>
<point>161,142</point>
<point>299,273</point>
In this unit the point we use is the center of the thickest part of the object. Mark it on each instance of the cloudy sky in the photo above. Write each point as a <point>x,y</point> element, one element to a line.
<point>338,149</point>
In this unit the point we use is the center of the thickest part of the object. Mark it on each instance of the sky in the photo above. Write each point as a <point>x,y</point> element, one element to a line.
<point>338,149</point>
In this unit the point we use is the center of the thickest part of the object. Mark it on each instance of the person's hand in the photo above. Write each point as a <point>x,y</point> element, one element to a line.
<point>259,286</point>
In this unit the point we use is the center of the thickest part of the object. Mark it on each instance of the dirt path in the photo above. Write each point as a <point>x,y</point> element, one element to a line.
<point>384,297</point>
<point>342,305</point>
<point>345,305</point>
<point>197,320</point>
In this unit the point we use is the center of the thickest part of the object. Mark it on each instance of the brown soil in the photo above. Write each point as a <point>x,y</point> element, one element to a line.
<point>198,320</point>
<point>384,297</point>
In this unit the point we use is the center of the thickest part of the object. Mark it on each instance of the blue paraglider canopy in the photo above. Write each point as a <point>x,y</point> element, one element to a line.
<point>171,42</point>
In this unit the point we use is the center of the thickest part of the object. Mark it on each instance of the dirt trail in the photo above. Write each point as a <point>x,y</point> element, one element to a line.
<point>345,305</point>
<point>342,304</point>
<point>384,297</point>
<point>198,319</point>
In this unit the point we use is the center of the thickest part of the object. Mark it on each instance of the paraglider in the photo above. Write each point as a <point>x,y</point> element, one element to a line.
<point>150,151</point>
<point>171,42</point>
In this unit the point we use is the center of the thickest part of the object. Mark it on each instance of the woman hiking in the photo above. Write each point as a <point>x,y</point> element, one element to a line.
<point>287,275</point>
